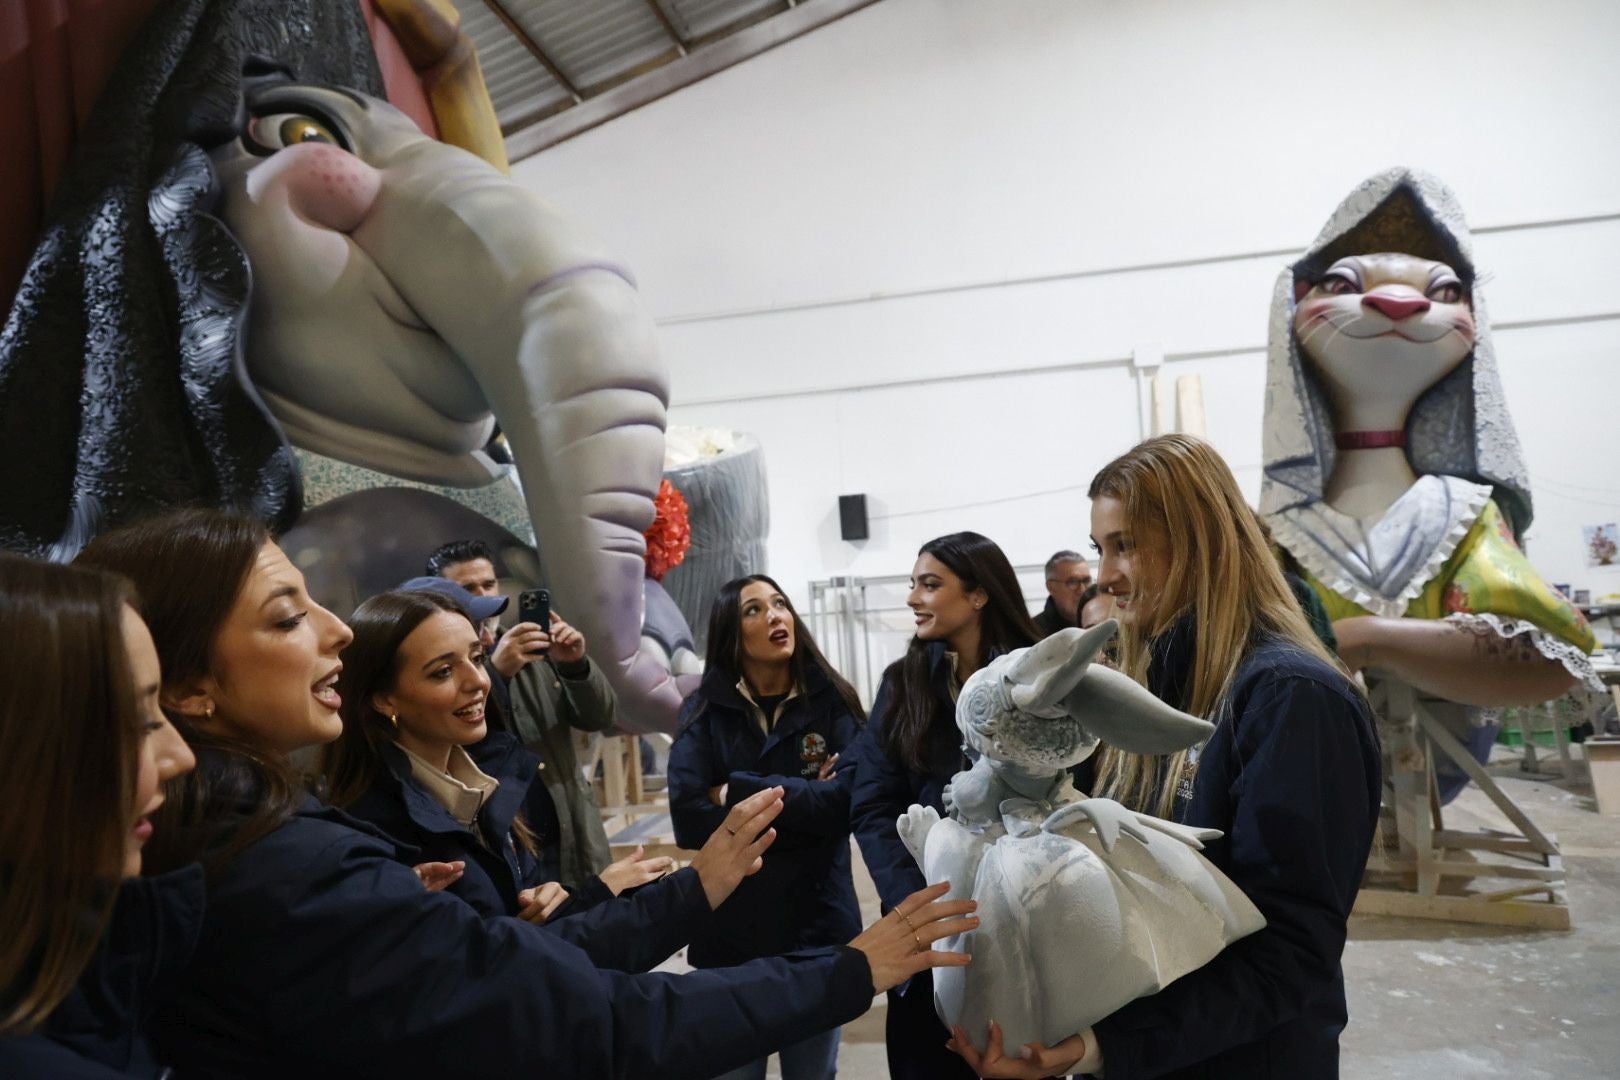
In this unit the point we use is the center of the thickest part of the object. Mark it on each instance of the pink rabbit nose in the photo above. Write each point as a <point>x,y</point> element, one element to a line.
<point>1395,307</point>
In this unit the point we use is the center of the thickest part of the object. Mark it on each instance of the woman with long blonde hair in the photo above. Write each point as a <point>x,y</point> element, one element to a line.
<point>1290,777</point>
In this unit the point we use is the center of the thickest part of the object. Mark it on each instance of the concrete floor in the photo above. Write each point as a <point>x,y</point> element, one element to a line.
<point>1440,1001</point>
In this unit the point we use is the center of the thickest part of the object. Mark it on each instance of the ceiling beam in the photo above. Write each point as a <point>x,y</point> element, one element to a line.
<point>693,67</point>
<point>534,48</point>
<point>669,26</point>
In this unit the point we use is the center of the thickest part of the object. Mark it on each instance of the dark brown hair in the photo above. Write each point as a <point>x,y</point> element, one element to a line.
<point>1004,625</point>
<point>70,728</point>
<point>189,567</point>
<point>354,762</point>
<point>725,649</point>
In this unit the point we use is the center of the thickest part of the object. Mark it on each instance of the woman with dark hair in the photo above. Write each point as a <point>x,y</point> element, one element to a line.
<point>968,609</point>
<point>321,954</point>
<point>83,953</point>
<point>417,760</point>
<point>771,712</point>
<point>1290,777</point>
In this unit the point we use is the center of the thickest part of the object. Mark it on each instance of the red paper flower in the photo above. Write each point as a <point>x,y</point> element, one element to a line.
<point>1456,600</point>
<point>670,534</point>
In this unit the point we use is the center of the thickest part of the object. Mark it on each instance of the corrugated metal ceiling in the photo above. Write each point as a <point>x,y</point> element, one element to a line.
<point>541,58</point>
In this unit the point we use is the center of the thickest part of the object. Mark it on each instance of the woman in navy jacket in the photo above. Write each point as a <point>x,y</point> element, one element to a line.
<point>771,712</point>
<point>320,953</point>
<point>414,690</point>
<point>1290,777</point>
<point>89,948</point>
<point>968,608</point>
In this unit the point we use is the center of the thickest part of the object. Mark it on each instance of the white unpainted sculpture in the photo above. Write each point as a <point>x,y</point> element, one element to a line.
<point>1073,923</point>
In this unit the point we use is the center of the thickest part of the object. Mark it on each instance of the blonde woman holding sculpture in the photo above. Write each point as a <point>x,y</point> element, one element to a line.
<point>1290,777</point>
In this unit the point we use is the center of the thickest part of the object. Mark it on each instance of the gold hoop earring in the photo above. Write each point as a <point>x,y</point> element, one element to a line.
<point>393,718</point>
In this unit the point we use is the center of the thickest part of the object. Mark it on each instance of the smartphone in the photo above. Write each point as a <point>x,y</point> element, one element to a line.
<point>534,605</point>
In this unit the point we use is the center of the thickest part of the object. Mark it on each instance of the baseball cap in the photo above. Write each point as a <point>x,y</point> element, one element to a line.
<point>479,607</point>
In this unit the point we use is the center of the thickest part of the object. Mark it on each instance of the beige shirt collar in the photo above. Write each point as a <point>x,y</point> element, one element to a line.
<point>461,790</point>
<point>765,722</point>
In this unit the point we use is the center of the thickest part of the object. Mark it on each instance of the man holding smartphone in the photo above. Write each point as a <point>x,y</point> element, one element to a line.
<point>547,688</point>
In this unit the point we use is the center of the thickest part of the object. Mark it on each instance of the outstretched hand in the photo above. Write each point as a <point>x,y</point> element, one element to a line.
<point>1108,817</point>
<point>438,876</point>
<point>634,870</point>
<point>899,945</point>
<point>737,848</point>
<point>538,904</point>
<point>1032,1062</point>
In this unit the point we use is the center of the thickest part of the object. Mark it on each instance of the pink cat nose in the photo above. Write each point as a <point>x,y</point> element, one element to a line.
<point>1395,307</point>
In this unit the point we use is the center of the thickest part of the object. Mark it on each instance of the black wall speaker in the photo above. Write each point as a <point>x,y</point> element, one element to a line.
<point>852,517</point>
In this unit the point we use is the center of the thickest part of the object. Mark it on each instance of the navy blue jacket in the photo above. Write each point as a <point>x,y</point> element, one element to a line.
<point>1291,776</point>
<point>803,895</point>
<point>97,1029</point>
<point>498,868</point>
<point>885,788</point>
<point>322,956</point>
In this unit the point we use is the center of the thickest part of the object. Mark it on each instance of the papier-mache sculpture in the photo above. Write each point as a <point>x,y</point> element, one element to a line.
<point>286,272</point>
<point>1074,920</point>
<point>1392,470</point>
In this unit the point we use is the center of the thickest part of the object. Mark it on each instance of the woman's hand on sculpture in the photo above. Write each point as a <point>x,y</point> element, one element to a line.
<point>438,876</point>
<point>633,871</point>
<point>898,945</point>
<point>538,904</point>
<point>737,848</point>
<point>1032,1062</point>
<point>717,794</point>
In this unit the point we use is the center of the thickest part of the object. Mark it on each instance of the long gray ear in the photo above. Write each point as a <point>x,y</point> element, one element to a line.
<point>1047,671</point>
<point>1123,713</point>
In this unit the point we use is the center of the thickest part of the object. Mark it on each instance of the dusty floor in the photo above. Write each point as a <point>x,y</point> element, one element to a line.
<point>1440,1001</point>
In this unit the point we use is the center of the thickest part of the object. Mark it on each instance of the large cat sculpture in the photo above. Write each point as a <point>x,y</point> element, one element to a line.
<point>1393,473</point>
<point>1074,922</point>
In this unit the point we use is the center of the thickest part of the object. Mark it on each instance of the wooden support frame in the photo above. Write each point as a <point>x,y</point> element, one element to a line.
<point>1526,864</point>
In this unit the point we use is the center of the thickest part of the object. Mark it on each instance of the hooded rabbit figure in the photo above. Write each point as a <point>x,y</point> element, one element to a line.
<point>1073,923</point>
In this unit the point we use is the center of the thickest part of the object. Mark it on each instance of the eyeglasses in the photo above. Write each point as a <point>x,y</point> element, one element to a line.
<point>1075,583</point>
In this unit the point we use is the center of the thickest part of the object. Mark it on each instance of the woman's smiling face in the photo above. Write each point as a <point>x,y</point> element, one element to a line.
<point>440,686</point>
<point>273,665</point>
<point>1126,569</point>
<point>940,602</point>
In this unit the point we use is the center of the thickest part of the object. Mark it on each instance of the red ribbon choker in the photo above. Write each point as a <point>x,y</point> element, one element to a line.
<point>1369,440</point>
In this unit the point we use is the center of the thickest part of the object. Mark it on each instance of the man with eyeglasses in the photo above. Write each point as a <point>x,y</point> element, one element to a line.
<point>1067,575</point>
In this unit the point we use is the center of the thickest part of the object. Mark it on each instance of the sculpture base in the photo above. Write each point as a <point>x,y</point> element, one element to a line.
<point>1425,870</point>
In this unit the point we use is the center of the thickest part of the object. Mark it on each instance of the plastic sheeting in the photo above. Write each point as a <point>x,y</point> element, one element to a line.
<point>727,500</point>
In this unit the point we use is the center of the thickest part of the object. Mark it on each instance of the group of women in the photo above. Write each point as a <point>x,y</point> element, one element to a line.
<point>1209,624</point>
<point>183,899</point>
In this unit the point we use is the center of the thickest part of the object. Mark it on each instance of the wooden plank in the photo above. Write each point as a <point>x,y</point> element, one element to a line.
<point>1438,735</point>
<point>1455,839</point>
<point>1455,869</point>
<point>1506,912</point>
<point>635,794</point>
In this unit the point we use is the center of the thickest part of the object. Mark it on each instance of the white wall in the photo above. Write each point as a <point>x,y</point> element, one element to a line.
<point>900,250</point>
